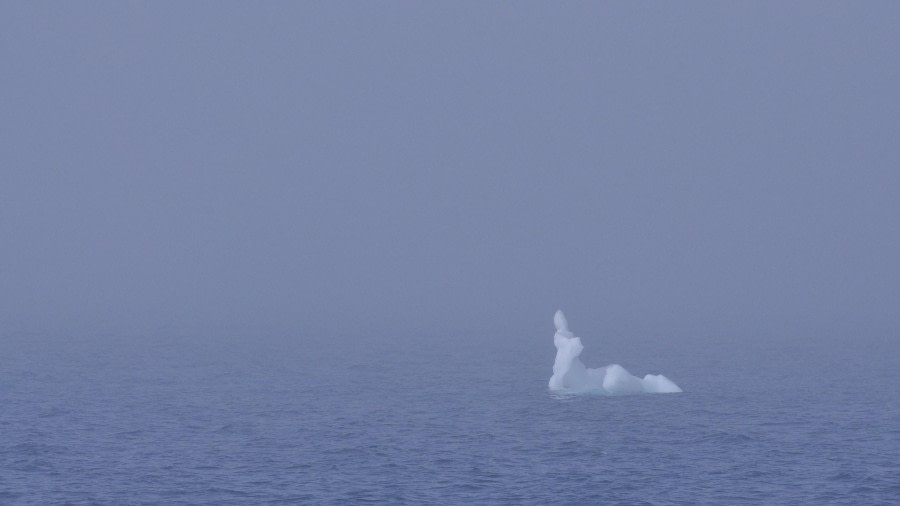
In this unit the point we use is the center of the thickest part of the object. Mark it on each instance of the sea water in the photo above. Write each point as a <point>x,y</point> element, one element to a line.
<point>443,419</point>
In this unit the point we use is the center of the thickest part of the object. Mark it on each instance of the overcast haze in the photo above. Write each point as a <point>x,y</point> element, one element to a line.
<point>653,168</point>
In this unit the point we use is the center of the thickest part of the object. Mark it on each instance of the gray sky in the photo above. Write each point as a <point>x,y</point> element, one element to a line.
<point>663,168</point>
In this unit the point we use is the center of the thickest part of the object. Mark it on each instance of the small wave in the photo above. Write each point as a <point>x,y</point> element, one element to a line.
<point>722,437</point>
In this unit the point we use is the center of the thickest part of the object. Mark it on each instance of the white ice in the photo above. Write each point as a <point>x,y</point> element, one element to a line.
<point>570,375</point>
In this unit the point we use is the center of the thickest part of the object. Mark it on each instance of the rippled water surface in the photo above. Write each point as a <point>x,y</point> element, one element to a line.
<point>165,420</point>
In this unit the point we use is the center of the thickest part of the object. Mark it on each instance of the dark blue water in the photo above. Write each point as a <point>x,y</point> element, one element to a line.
<point>266,420</point>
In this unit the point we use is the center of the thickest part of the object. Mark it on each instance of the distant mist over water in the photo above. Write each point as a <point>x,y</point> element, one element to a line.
<point>308,252</point>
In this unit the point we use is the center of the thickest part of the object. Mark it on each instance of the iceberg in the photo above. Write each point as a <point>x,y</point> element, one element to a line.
<point>570,375</point>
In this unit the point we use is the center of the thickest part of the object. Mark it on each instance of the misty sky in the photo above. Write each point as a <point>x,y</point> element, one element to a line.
<point>357,168</point>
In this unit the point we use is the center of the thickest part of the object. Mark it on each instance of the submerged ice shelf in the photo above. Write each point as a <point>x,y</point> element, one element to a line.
<point>570,375</point>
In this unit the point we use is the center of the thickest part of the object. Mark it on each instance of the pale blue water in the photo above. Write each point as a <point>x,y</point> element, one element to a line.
<point>442,420</point>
